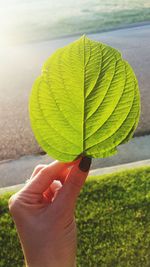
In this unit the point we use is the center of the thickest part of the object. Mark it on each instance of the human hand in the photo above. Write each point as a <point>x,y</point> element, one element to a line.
<point>43,211</point>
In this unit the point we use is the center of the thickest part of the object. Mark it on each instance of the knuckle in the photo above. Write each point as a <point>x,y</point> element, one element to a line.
<point>38,167</point>
<point>13,203</point>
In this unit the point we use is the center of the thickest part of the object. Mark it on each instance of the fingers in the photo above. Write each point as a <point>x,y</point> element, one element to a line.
<point>74,182</point>
<point>51,191</point>
<point>42,180</point>
<point>37,169</point>
<point>55,186</point>
<point>66,170</point>
<point>43,177</point>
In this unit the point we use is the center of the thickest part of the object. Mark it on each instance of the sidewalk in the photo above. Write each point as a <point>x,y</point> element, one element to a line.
<point>99,171</point>
<point>14,172</point>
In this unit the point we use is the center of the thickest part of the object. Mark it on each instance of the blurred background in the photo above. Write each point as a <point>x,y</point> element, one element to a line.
<point>113,214</point>
<point>29,32</point>
<point>36,20</point>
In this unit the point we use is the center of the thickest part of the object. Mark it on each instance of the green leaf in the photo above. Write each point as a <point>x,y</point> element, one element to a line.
<point>86,101</point>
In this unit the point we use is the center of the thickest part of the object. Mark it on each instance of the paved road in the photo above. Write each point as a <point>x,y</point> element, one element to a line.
<point>20,65</point>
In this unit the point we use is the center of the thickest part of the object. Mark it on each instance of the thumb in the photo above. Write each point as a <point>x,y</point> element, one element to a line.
<point>75,181</point>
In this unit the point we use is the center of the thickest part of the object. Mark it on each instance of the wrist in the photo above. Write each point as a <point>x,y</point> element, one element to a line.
<point>49,262</point>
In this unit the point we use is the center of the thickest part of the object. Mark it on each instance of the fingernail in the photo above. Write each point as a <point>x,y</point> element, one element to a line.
<point>85,164</point>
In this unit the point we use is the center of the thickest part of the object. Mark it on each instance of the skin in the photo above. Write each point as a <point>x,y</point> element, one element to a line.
<point>43,212</point>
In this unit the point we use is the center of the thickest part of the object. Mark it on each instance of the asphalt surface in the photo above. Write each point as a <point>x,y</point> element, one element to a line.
<point>20,65</point>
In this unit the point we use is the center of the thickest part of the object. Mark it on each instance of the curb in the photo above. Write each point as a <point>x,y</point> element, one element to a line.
<point>99,171</point>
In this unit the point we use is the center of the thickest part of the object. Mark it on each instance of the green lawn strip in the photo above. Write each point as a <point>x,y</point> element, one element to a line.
<point>113,221</point>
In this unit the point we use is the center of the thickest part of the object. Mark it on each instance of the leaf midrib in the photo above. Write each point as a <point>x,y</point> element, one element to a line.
<point>83,148</point>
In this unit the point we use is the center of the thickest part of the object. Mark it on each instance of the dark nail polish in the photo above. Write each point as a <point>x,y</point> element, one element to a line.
<point>85,164</point>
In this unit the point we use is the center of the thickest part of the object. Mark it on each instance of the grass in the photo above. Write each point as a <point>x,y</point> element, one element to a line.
<point>113,220</point>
